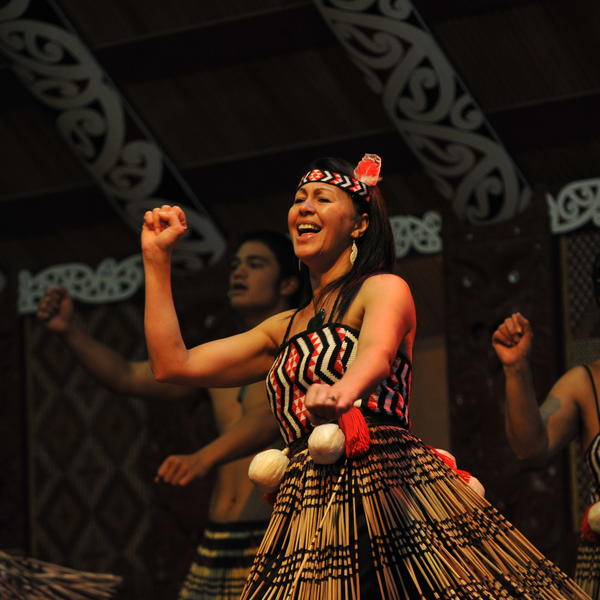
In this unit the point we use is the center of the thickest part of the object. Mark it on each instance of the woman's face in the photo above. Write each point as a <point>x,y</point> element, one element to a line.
<point>321,222</point>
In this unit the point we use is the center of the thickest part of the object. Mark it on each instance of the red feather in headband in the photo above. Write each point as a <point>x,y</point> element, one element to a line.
<point>367,170</point>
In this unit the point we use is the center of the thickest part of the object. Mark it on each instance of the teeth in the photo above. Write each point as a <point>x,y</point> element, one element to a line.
<point>305,227</point>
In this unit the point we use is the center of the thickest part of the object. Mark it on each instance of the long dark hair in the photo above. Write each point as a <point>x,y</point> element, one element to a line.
<point>376,252</point>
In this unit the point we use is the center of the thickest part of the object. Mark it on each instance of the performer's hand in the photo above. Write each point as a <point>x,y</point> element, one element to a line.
<point>325,403</point>
<point>162,229</point>
<point>180,469</point>
<point>55,309</point>
<point>512,340</point>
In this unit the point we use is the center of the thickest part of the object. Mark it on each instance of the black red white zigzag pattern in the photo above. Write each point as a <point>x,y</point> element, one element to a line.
<point>344,182</point>
<point>322,356</point>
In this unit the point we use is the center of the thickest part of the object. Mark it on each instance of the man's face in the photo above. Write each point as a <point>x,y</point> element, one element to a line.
<point>253,282</point>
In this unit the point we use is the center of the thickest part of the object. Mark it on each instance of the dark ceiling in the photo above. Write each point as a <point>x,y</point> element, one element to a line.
<point>229,87</point>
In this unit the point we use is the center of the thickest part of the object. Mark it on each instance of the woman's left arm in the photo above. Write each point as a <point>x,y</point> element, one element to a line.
<point>389,322</point>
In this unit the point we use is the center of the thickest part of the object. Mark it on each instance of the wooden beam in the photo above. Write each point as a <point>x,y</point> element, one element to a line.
<point>246,38</point>
<point>551,122</point>
<point>242,39</point>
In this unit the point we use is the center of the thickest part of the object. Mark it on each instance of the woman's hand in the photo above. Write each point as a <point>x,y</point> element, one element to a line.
<point>512,340</point>
<point>325,403</point>
<point>55,309</point>
<point>162,229</point>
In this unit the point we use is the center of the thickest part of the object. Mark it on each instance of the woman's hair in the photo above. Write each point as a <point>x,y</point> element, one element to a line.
<point>281,246</point>
<point>376,253</point>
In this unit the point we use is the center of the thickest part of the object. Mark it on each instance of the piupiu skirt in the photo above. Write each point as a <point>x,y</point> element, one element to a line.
<point>395,523</point>
<point>223,560</point>
<point>587,568</point>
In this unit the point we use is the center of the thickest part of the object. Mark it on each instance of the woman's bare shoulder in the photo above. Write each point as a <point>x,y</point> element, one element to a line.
<point>575,384</point>
<point>385,283</point>
<point>276,325</point>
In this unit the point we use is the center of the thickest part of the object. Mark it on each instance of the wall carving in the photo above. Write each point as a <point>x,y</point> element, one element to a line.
<point>105,133</point>
<point>111,281</point>
<point>577,204</point>
<point>430,106</point>
<point>91,458</point>
<point>418,235</point>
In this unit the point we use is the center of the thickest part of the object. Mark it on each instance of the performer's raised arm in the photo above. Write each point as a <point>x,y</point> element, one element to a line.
<point>231,361</point>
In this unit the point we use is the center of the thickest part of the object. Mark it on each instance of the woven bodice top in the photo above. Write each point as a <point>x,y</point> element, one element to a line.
<point>592,454</point>
<point>322,356</point>
<point>592,458</point>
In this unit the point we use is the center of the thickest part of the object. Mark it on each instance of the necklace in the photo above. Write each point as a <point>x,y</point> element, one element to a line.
<point>317,320</point>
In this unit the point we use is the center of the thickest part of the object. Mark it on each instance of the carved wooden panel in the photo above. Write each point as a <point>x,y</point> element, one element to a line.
<point>93,456</point>
<point>489,273</point>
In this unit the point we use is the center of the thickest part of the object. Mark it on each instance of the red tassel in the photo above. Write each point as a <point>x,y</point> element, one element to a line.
<point>586,531</point>
<point>464,475</point>
<point>356,430</point>
<point>447,459</point>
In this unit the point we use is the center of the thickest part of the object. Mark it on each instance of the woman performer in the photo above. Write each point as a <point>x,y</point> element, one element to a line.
<point>571,411</point>
<point>391,522</point>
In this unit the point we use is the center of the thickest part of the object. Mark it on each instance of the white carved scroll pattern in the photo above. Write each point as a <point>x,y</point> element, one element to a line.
<point>419,235</point>
<point>576,205</point>
<point>59,70</point>
<point>13,9</point>
<point>430,107</point>
<point>112,281</point>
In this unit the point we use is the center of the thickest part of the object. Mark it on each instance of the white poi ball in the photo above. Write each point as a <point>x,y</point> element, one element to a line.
<point>476,486</point>
<point>594,517</point>
<point>326,443</point>
<point>267,468</point>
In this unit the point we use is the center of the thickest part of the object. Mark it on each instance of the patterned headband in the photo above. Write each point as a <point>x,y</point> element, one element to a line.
<point>366,174</point>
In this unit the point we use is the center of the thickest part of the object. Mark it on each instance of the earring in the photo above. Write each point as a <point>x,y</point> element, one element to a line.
<point>353,252</point>
<point>299,265</point>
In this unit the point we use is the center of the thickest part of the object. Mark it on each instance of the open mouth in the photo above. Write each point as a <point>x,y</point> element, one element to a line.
<point>307,228</point>
<point>238,287</point>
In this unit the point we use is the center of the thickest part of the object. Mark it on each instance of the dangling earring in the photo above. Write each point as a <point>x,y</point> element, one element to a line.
<point>353,252</point>
<point>299,265</point>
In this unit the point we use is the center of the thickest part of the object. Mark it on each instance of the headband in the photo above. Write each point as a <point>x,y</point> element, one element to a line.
<point>366,174</point>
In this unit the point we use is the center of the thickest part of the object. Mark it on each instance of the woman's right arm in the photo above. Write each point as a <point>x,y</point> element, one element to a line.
<point>534,433</point>
<point>231,361</point>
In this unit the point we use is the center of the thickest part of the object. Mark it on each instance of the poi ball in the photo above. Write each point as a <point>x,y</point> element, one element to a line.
<point>267,469</point>
<point>476,486</point>
<point>326,443</point>
<point>594,517</point>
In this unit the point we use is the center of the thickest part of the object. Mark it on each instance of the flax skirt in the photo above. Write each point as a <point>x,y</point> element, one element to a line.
<point>395,523</point>
<point>223,560</point>
<point>587,570</point>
